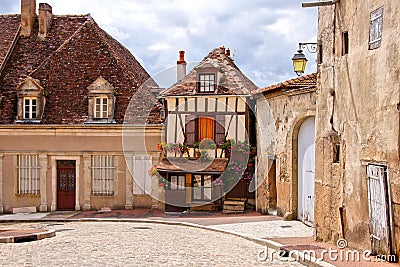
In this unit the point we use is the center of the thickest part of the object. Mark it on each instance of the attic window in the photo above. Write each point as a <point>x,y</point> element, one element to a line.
<point>101,107</point>
<point>206,83</point>
<point>31,101</point>
<point>375,30</point>
<point>101,102</point>
<point>30,108</point>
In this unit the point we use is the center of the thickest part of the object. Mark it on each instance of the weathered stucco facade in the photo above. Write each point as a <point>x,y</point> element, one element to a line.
<point>78,144</point>
<point>358,122</point>
<point>281,110</point>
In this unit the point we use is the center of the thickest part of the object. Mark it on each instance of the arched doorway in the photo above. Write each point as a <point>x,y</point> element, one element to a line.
<point>306,171</point>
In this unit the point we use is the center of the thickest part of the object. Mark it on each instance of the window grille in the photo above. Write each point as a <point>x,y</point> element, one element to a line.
<point>28,174</point>
<point>103,172</point>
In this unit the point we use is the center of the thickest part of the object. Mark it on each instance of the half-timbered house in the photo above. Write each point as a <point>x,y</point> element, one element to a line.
<point>208,135</point>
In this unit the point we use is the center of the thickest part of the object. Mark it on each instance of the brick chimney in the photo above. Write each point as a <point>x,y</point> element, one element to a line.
<point>28,15</point>
<point>228,52</point>
<point>45,19</point>
<point>181,66</point>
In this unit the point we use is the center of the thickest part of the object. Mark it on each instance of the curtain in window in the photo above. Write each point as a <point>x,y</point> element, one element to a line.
<point>206,128</point>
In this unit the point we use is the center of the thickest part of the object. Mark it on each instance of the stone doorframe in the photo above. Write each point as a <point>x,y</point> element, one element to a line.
<point>54,159</point>
<point>294,160</point>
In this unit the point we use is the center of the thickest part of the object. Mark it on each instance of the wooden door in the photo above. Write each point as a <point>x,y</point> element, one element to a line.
<point>378,210</point>
<point>66,183</point>
<point>306,171</point>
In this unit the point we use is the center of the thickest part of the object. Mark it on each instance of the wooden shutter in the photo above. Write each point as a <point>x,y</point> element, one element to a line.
<point>219,128</point>
<point>190,129</point>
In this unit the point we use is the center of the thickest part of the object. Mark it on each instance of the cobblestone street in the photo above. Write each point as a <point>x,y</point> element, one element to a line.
<point>131,244</point>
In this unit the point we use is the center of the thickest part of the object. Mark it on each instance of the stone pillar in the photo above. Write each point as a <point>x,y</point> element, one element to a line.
<point>87,182</point>
<point>53,183</point>
<point>77,181</point>
<point>1,183</point>
<point>43,182</point>
<point>128,182</point>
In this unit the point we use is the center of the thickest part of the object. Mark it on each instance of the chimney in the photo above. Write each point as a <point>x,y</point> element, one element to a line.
<point>28,15</point>
<point>181,66</point>
<point>45,18</point>
<point>222,48</point>
<point>228,52</point>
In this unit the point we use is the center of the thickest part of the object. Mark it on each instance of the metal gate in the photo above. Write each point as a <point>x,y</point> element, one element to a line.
<point>379,210</point>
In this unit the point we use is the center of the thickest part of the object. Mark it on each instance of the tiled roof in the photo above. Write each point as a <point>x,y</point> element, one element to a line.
<point>302,82</point>
<point>9,26</point>
<point>73,55</point>
<point>233,82</point>
<point>218,165</point>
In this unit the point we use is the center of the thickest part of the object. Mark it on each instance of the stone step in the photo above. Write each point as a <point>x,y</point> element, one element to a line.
<point>234,203</point>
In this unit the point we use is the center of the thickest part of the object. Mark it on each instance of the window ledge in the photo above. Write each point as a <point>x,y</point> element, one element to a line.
<point>28,121</point>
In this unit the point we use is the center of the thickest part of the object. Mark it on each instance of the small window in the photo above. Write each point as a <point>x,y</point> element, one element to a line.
<point>103,171</point>
<point>101,108</point>
<point>28,174</point>
<point>320,54</point>
<point>201,187</point>
<point>206,83</point>
<point>176,182</point>
<point>30,108</point>
<point>336,153</point>
<point>375,30</point>
<point>345,48</point>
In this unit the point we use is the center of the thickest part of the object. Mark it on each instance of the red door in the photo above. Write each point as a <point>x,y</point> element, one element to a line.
<point>66,185</point>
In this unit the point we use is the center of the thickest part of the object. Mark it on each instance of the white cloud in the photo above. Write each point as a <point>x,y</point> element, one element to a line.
<point>264,33</point>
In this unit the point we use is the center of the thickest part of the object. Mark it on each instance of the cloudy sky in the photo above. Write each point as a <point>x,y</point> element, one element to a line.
<point>262,34</point>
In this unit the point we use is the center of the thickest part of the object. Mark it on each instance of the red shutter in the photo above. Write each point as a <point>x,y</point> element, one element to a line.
<point>219,128</point>
<point>190,130</point>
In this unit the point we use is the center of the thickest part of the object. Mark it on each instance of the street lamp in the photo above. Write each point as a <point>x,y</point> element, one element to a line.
<point>300,60</point>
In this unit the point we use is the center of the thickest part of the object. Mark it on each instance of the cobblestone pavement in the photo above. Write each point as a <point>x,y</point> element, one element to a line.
<point>132,244</point>
<point>269,229</point>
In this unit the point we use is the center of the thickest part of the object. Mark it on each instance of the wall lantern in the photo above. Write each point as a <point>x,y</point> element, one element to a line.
<point>300,60</point>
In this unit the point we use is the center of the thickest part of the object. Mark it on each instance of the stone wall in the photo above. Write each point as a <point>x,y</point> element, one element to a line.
<point>357,113</point>
<point>279,116</point>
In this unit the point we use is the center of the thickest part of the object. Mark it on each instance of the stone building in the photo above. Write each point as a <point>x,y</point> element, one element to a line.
<point>65,85</point>
<point>285,142</point>
<point>209,121</point>
<point>357,135</point>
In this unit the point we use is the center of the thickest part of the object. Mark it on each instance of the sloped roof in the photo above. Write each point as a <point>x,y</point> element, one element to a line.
<point>74,54</point>
<point>9,26</point>
<point>233,81</point>
<point>302,82</point>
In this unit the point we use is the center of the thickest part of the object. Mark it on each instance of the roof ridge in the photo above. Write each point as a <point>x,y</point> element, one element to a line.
<point>59,48</point>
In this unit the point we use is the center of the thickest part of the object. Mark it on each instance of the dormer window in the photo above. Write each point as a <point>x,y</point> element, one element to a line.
<point>30,108</point>
<point>31,101</point>
<point>207,83</point>
<point>101,102</point>
<point>101,107</point>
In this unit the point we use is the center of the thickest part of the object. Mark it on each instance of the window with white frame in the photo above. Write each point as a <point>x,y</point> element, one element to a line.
<point>176,182</point>
<point>30,108</point>
<point>206,83</point>
<point>103,175</point>
<point>101,107</point>
<point>28,169</point>
<point>141,176</point>
<point>375,30</point>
